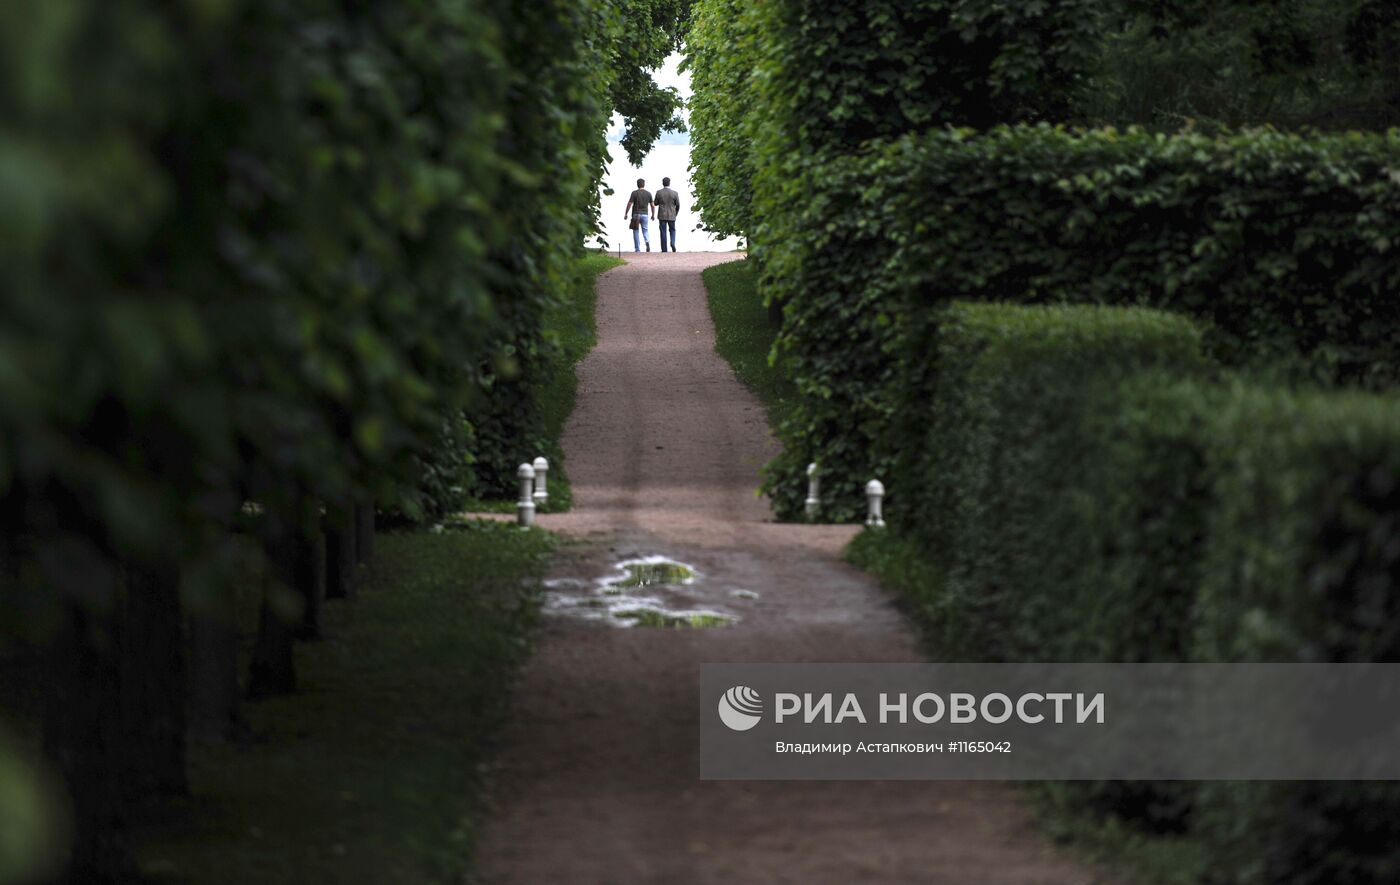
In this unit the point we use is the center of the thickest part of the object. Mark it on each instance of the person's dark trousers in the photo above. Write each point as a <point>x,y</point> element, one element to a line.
<point>668,226</point>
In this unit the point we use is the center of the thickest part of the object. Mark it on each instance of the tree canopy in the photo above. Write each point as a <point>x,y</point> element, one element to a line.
<point>652,31</point>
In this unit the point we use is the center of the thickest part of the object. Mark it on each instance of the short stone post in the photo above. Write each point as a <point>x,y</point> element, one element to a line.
<point>814,485</point>
<point>875,496</point>
<point>525,507</point>
<point>541,481</point>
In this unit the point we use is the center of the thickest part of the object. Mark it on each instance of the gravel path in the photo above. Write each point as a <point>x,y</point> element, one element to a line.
<point>597,781</point>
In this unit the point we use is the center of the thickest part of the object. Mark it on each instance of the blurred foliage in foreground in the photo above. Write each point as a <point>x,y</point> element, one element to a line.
<point>264,267</point>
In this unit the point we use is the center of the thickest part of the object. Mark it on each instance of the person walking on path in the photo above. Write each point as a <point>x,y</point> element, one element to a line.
<point>668,206</point>
<point>639,210</point>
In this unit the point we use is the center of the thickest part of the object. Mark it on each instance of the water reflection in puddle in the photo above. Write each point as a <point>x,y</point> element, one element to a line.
<point>651,571</point>
<point>647,617</point>
<point>614,598</point>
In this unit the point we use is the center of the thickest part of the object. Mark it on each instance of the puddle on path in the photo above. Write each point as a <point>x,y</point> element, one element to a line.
<point>649,617</point>
<point>652,571</point>
<point>615,598</point>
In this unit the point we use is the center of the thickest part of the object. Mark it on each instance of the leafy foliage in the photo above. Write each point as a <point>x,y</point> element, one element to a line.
<point>1317,475</point>
<point>555,138</point>
<point>1288,63</point>
<point>1062,498</point>
<point>284,252</point>
<point>1040,487</point>
<point>1093,495</point>
<point>1280,244</point>
<point>721,54</point>
<point>273,249</point>
<point>1085,501</point>
<point>1302,566</point>
<point>650,31</point>
<point>837,75</point>
<point>781,85</point>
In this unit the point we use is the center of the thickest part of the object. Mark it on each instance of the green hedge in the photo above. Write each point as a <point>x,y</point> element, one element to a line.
<point>1050,466</point>
<point>292,252</point>
<point>722,57</point>
<point>837,74</point>
<point>780,86</point>
<point>1088,492</point>
<point>283,247</point>
<point>1305,533</point>
<point>1281,245</point>
<point>1050,506</point>
<point>1302,565</point>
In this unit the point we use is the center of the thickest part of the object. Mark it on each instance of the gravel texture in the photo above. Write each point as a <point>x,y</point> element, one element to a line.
<point>597,780</point>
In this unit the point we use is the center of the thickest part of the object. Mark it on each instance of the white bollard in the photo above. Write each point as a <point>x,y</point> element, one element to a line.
<point>814,485</point>
<point>541,481</point>
<point>875,496</point>
<point>525,507</point>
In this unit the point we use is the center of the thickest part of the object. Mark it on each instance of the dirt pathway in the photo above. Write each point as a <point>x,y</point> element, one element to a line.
<point>598,780</point>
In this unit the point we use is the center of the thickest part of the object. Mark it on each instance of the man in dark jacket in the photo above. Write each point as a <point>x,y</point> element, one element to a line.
<point>668,206</point>
<point>638,211</point>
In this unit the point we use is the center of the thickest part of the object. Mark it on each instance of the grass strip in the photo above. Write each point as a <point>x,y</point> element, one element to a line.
<point>744,335</point>
<point>371,772</point>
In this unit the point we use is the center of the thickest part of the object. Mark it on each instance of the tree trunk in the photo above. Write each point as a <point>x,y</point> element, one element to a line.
<point>364,533</point>
<point>273,668</point>
<point>775,313</point>
<point>83,739</point>
<point>153,681</point>
<point>214,669</point>
<point>340,552</point>
<point>305,571</point>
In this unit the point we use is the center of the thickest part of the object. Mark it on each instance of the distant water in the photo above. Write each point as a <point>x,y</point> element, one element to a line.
<point>671,160</point>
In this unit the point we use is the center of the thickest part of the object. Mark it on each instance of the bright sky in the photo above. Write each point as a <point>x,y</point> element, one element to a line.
<point>670,158</point>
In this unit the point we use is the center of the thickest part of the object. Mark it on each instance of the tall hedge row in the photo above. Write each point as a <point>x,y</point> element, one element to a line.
<point>559,59</point>
<point>1086,491</point>
<point>722,58</point>
<point>1302,565</point>
<point>1280,244</point>
<point>783,85</point>
<point>1017,507</point>
<point>1062,499</point>
<point>298,235</point>
<point>1094,493</point>
<point>283,252</point>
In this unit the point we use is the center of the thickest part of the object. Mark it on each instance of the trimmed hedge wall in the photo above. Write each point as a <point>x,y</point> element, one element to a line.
<point>555,151</point>
<point>1307,532</point>
<point>282,244</point>
<point>1303,565</point>
<point>722,56</point>
<point>1033,487</point>
<point>831,76</point>
<point>782,86</point>
<point>1058,454</point>
<point>841,72</point>
<point>1091,493</point>
<point>292,251</point>
<point>1281,245</point>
